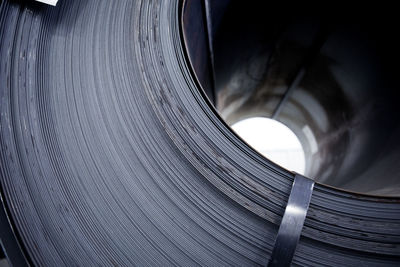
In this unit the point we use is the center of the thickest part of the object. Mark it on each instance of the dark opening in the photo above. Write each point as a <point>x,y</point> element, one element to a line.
<point>327,72</point>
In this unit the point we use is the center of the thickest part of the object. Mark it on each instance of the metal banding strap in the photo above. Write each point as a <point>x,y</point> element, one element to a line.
<point>292,221</point>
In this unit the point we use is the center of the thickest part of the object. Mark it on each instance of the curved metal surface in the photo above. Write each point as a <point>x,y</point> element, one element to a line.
<point>110,155</point>
<point>292,222</point>
<point>9,242</point>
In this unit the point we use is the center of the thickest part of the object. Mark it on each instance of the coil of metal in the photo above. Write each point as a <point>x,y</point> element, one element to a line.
<point>110,155</point>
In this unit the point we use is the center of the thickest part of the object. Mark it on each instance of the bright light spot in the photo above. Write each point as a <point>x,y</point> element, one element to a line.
<point>273,140</point>
<point>49,2</point>
<point>294,210</point>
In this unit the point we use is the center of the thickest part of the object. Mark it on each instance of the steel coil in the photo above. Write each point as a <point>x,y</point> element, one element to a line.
<point>110,155</point>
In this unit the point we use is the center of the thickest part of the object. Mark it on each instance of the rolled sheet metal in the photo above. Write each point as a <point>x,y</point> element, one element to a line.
<point>110,154</point>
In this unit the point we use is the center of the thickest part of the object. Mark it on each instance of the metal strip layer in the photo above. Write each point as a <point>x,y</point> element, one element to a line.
<point>8,240</point>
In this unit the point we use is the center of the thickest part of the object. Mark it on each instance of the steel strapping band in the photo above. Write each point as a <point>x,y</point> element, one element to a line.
<point>292,222</point>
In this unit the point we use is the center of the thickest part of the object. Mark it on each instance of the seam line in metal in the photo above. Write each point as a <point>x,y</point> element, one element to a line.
<point>292,221</point>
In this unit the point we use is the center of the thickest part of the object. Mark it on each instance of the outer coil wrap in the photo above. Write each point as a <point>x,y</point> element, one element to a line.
<point>111,155</point>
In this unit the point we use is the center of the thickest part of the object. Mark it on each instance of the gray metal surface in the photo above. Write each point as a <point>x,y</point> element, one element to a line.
<point>110,154</point>
<point>292,221</point>
<point>9,241</point>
